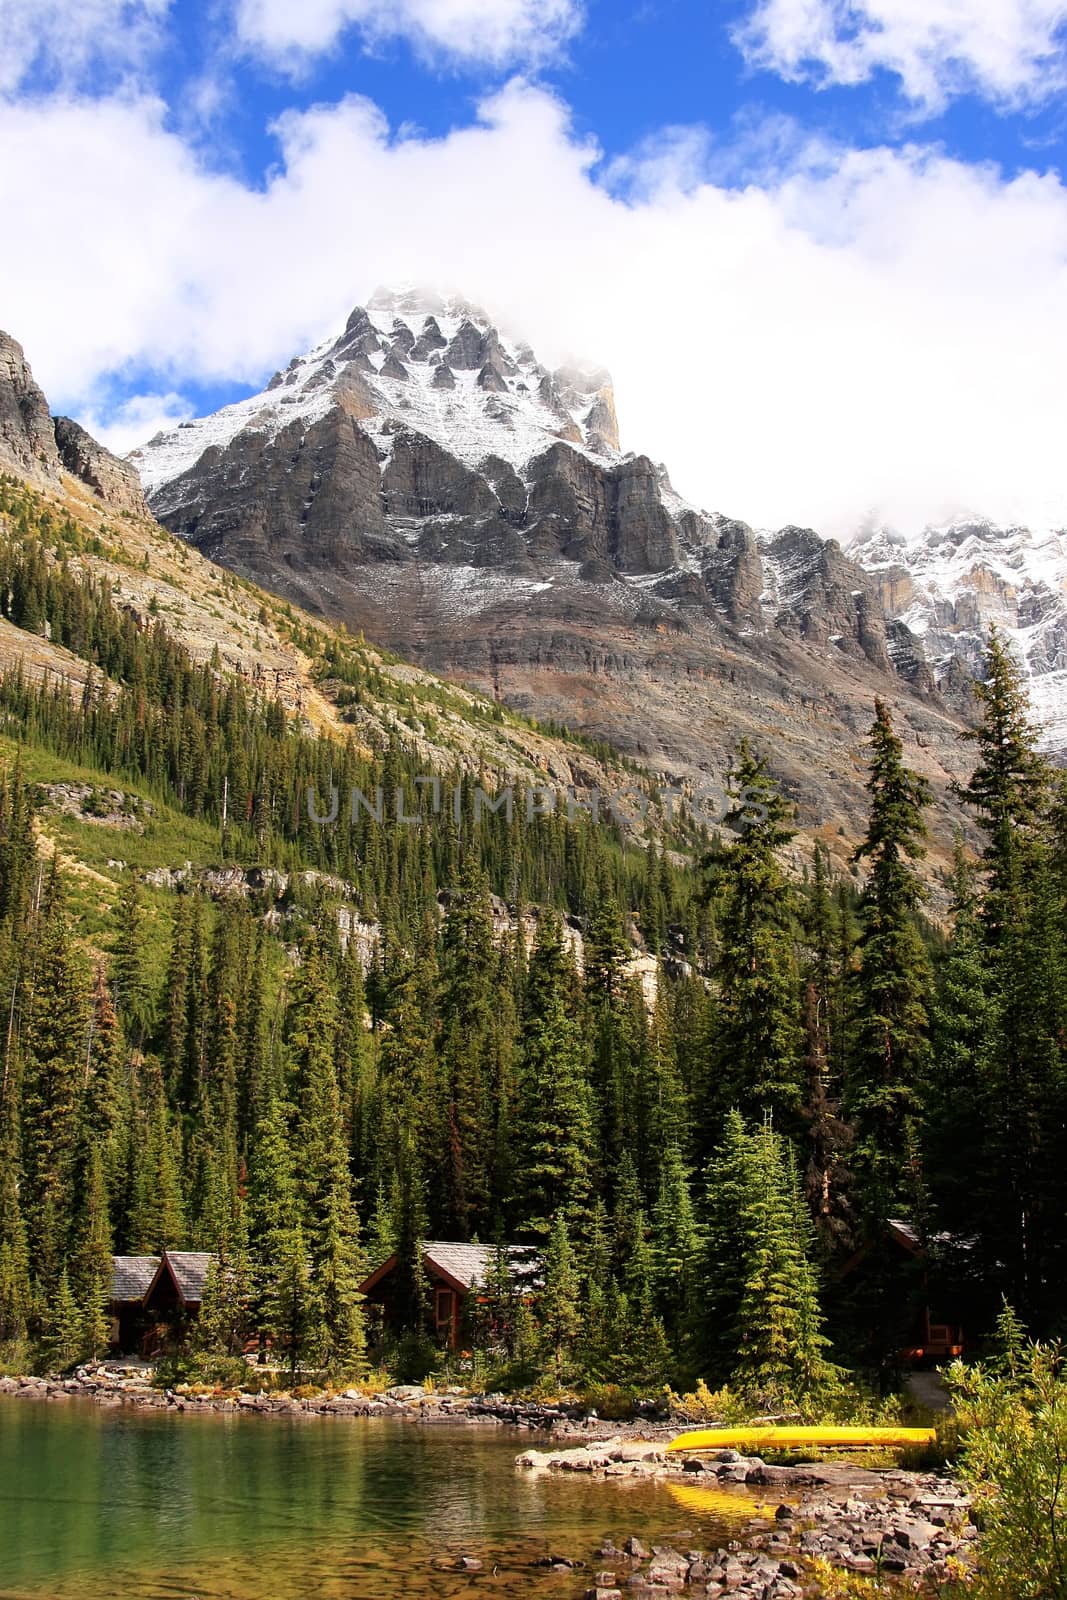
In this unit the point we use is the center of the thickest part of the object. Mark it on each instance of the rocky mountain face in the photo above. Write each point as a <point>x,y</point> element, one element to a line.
<point>241,632</point>
<point>39,447</point>
<point>949,586</point>
<point>425,478</point>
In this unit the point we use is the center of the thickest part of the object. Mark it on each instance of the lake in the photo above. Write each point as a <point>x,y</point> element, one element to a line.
<point>98,1502</point>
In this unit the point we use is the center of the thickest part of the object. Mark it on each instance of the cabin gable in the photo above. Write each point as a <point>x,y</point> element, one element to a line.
<point>453,1272</point>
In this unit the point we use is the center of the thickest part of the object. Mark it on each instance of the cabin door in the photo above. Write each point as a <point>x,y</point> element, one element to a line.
<point>444,1315</point>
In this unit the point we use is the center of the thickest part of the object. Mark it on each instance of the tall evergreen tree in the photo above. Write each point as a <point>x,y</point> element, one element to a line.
<point>467,1005</point>
<point>675,1247</point>
<point>56,1045</point>
<point>894,984</point>
<point>130,972</point>
<point>1020,1085</point>
<point>90,1260</point>
<point>555,1121</point>
<point>330,1223</point>
<point>758,1042</point>
<point>559,1303</point>
<point>763,1324</point>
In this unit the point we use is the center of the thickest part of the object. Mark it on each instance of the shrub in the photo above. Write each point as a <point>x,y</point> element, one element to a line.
<point>171,1371</point>
<point>1012,1416</point>
<point>610,1401</point>
<point>227,1372</point>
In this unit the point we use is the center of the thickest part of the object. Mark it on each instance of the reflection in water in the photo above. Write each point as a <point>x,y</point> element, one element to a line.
<point>97,1503</point>
<point>724,1505</point>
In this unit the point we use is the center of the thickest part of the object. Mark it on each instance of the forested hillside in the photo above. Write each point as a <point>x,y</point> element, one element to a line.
<point>702,1161</point>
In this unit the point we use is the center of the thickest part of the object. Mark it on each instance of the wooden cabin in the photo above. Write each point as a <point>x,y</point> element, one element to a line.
<point>929,1336</point>
<point>453,1273</point>
<point>154,1297</point>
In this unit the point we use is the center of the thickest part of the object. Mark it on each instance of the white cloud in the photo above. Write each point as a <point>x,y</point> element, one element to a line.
<point>497,32</point>
<point>1010,51</point>
<point>130,422</point>
<point>65,40</point>
<point>880,329</point>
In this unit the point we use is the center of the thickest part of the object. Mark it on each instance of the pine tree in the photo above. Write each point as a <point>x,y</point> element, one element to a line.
<point>130,975</point>
<point>782,1346</point>
<point>828,1142</point>
<point>16,1297</point>
<point>90,1260</point>
<point>1008,788</point>
<point>64,1327</point>
<point>964,1021</point>
<point>467,1004</point>
<point>727,1192</point>
<point>763,1325</point>
<point>56,1039</point>
<point>408,1060</point>
<point>291,1318</point>
<point>558,1308</point>
<point>757,1048</point>
<point>157,1216</point>
<point>645,1357</point>
<point>330,1223</point>
<point>675,1247</point>
<point>893,987</point>
<point>175,1018</point>
<point>410,1288</point>
<point>555,1124</point>
<point>821,928</point>
<point>1020,1085</point>
<point>226,1310</point>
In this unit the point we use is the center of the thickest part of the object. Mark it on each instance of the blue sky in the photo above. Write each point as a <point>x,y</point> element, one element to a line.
<point>822,244</point>
<point>633,68</point>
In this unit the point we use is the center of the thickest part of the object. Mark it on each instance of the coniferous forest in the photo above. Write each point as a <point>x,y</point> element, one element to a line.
<point>709,1172</point>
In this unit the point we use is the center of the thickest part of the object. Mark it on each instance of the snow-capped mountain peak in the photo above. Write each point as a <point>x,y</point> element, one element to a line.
<point>435,364</point>
<point>949,585</point>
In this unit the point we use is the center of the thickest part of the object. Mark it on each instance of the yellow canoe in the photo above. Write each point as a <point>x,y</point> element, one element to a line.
<point>787,1438</point>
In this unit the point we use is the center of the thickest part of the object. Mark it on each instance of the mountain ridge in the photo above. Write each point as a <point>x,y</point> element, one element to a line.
<point>487,461</point>
<point>955,580</point>
<point>493,533</point>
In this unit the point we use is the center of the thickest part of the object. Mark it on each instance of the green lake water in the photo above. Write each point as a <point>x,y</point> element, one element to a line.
<point>96,1503</point>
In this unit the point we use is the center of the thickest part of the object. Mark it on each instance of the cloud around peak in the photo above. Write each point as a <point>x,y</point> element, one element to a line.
<point>873,330</point>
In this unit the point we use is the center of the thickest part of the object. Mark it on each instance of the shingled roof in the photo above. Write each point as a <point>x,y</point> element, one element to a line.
<point>466,1265</point>
<point>190,1268</point>
<point>469,1264</point>
<point>131,1276</point>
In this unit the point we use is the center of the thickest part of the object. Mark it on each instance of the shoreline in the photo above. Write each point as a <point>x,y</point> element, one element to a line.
<point>127,1387</point>
<point>914,1526</point>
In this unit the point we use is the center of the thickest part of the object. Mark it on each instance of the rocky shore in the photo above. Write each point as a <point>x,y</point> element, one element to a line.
<point>116,1384</point>
<point>915,1527</point>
